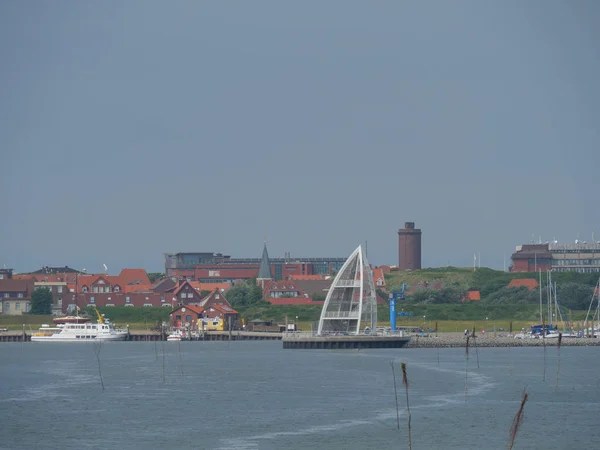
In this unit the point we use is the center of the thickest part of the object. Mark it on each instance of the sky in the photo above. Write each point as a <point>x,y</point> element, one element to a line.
<point>133,128</point>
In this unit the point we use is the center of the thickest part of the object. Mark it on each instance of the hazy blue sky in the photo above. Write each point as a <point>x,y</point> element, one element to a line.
<point>133,128</point>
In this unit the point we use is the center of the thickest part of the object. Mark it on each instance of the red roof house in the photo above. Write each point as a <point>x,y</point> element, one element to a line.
<point>529,283</point>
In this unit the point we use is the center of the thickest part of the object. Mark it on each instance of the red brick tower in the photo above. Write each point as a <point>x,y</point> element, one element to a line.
<point>409,247</point>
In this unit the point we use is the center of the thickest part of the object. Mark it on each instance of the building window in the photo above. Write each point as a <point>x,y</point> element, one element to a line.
<point>59,289</point>
<point>59,304</point>
<point>92,300</point>
<point>6,294</point>
<point>18,306</point>
<point>117,288</point>
<point>127,299</point>
<point>162,299</point>
<point>20,295</point>
<point>7,306</point>
<point>188,318</point>
<point>84,289</point>
<point>27,307</point>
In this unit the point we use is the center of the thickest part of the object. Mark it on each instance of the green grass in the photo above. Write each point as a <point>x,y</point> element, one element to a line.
<point>484,279</point>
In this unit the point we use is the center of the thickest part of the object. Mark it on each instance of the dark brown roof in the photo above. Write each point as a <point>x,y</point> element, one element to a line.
<point>532,250</point>
<point>12,285</point>
<point>311,287</point>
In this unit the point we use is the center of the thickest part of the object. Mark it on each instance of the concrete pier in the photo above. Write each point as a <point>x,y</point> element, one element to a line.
<point>299,341</point>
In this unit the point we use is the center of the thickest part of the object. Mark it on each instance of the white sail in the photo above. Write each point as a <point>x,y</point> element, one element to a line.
<point>351,304</point>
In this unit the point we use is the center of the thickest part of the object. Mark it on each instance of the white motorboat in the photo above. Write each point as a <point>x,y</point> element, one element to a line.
<point>176,335</point>
<point>81,332</point>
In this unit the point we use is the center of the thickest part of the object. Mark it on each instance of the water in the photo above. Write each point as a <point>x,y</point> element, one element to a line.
<point>255,395</point>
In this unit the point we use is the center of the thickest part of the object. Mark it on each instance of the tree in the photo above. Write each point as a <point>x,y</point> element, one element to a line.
<point>575,295</point>
<point>41,301</point>
<point>245,294</point>
<point>514,295</point>
<point>153,276</point>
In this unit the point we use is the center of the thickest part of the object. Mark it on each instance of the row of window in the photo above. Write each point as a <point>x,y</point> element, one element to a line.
<point>59,289</point>
<point>127,299</point>
<point>576,262</point>
<point>11,294</point>
<point>578,270</point>
<point>17,306</point>
<point>101,289</point>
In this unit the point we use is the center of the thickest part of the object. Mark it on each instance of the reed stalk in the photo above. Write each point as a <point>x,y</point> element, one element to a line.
<point>544,343</point>
<point>97,348</point>
<point>405,383</point>
<point>558,362</point>
<point>476,348</point>
<point>467,366</point>
<point>180,358</point>
<point>395,394</point>
<point>163,361</point>
<point>517,421</point>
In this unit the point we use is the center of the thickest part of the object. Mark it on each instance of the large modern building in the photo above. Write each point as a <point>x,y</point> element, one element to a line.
<point>409,247</point>
<point>208,267</point>
<point>577,257</point>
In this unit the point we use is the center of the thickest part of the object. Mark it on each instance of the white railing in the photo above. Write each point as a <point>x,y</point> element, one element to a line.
<point>347,283</point>
<point>341,315</point>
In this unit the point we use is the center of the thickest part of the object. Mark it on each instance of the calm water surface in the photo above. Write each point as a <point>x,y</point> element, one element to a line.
<point>255,395</point>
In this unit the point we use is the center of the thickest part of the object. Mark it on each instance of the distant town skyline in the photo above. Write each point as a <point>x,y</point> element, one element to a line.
<point>133,129</point>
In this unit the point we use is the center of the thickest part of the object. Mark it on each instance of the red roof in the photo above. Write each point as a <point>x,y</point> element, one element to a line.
<point>224,309</point>
<point>196,309</point>
<point>529,283</point>
<point>472,295</point>
<point>134,276</point>
<point>294,301</point>
<point>378,274</point>
<point>307,277</point>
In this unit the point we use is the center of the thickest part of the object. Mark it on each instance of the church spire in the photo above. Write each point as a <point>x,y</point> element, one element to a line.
<point>265,266</point>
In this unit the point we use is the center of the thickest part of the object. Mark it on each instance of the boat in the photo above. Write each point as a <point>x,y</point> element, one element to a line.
<point>70,319</point>
<point>176,335</point>
<point>81,332</point>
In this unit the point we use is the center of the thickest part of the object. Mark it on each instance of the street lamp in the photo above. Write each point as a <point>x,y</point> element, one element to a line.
<point>486,323</point>
<point>296,324</point>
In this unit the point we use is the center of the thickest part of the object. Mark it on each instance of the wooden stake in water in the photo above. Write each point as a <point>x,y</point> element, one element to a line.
<point>163,361</point>
<point>558,362</point>
<point>476,349</point>
<point>466,365</point>
<point>517,421</point>
<point>97,348</point>
<point>395,393</point>
<point>405,383</point>
<point>544,343</point>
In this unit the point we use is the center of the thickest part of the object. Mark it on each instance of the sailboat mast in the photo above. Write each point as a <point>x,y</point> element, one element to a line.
<point>549,279</point>
<point>541,307</point>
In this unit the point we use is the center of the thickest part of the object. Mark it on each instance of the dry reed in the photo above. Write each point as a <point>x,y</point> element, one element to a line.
<point>97,348</point>
<point>405,383</point>
<point>517,421</point>
<point>395,393</point>
<point>558,362</point>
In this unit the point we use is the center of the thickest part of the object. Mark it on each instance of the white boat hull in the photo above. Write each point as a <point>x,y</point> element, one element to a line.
<point>82,338</point>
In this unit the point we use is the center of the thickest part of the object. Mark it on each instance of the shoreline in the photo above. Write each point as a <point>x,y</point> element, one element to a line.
<point>458,340</point>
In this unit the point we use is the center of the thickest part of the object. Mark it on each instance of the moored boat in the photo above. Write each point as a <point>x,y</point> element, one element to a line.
<point>81,332</point>
<point>70,319</point>
<point>176,335</point>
